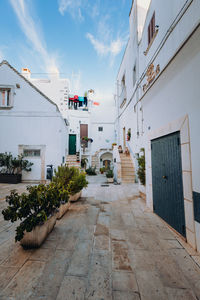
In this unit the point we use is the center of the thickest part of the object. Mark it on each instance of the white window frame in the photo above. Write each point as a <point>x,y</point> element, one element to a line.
<point>6,87</point>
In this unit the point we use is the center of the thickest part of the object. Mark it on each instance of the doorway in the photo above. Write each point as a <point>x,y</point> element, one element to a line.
<point>167,183</point>
<point>72,144</point>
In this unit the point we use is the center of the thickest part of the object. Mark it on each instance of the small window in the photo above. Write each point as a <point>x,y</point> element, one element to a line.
<point>5,97</point>
<point>151,29</point>
<point>100,128</point>
<point>31,152</point>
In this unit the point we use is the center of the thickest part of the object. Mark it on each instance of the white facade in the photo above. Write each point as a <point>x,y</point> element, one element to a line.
<point>54,87</point>
<point>31,122</point>
<point>101,129</point>
<point>166,96</point>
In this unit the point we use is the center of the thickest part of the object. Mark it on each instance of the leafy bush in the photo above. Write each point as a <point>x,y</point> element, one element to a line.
<point>13,165</point>
<point>35,207</point>
<point>109,174</point>
<point>91,171</point>
<point>77,184</point>
<point>102,170</point>
<point>64,174</point>
<point>70,178</point>
<point>141,167</point>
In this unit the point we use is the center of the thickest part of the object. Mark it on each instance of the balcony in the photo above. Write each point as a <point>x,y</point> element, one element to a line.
<point>122,97</point>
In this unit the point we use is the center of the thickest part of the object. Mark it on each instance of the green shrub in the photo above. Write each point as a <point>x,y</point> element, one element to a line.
<point>109,174</point>
<point>64,174</point>
<point>141,167</point>
<point>35,207</point>
<point>14,165</point>
<point>77,184</point>
<point>91,171</point>
<point>40,202</point>
<point>102,170</point>
<point>70,178</point>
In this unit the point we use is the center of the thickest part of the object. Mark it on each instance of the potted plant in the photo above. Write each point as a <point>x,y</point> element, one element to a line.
<point>71,179</point>
<point>11,167</point>
<point>114,144</point>
<point>76,185</point>
<point>102,170</point>
<point>85,139</point>
<point>36,210</point>
<point>141,172</point>
<point>91,171</point>
<point>110,175</point>
<point>129,135</point>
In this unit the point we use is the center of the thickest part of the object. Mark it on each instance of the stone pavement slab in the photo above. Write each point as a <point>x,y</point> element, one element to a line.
<point>108,246</point>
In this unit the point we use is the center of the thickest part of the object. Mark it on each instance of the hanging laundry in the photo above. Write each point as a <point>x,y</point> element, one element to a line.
<point>71,100</point>
<point>75,102</point>
<point>85,101</point>
<point>81,101</point>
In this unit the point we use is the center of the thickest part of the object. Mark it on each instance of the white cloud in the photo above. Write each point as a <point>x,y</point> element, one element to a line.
<point>32,33</point>
<point>104,43</point>
<point>112,49</point>
<point>74,7</point>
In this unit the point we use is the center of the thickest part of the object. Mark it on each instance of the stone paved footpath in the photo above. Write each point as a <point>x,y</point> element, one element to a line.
<point>107,246</point>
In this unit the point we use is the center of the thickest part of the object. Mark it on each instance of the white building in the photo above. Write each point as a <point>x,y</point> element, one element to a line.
<point>97,124</point>
<point>162,110</point>
<point>54,87</point>
<point>83,120</point>
<point>30,124</point>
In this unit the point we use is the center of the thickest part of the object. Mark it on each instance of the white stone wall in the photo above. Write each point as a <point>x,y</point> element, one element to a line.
<point>56,88</point>
<point>172,101</point>
<point>32,121</point>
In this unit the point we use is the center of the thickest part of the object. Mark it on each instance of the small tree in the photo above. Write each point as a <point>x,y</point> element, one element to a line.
<point>141,169</point>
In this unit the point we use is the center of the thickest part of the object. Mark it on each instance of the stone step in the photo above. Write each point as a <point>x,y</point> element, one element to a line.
<point>127,171</point>
<point>128,174</point>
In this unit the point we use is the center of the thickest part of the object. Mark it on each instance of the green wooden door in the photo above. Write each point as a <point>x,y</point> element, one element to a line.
<point>72,144</point>
<point>168,200</point>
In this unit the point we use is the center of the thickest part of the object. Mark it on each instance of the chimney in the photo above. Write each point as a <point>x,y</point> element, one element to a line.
<point>26,73</point>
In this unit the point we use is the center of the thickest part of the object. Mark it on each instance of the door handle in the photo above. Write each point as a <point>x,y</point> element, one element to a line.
<point>164,177</point>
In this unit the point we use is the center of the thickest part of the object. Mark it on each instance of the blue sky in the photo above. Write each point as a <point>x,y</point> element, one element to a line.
<point>85,38</point>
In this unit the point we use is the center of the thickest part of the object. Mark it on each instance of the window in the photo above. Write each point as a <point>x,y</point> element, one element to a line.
<point>134,75</point>
<point>5,97</point>
<point>31,152</point>
<point>100,128</point>
<point>151,29</point>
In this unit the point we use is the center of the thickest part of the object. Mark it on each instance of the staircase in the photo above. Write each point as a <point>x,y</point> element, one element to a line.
<point>71,161</point>
<point>95,160</point>
<point>127,169</point>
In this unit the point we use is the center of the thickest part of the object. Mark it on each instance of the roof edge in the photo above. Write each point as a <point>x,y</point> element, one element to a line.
<point>5,62</point>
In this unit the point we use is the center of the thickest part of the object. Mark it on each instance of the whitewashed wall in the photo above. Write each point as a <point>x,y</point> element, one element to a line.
<point>32,121</point>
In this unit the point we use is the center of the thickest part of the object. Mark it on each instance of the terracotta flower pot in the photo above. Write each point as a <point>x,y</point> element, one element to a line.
<point>37,236</point>
<point>63,209</point>
<point>75,197</point>
<point>110,180</point>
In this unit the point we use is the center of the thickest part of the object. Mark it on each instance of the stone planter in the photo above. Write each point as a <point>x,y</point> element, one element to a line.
<point>110,180</point>
<point>63,209</point>
<point>10,178</point>
<point>37,236</point>
<point>75,197</point>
